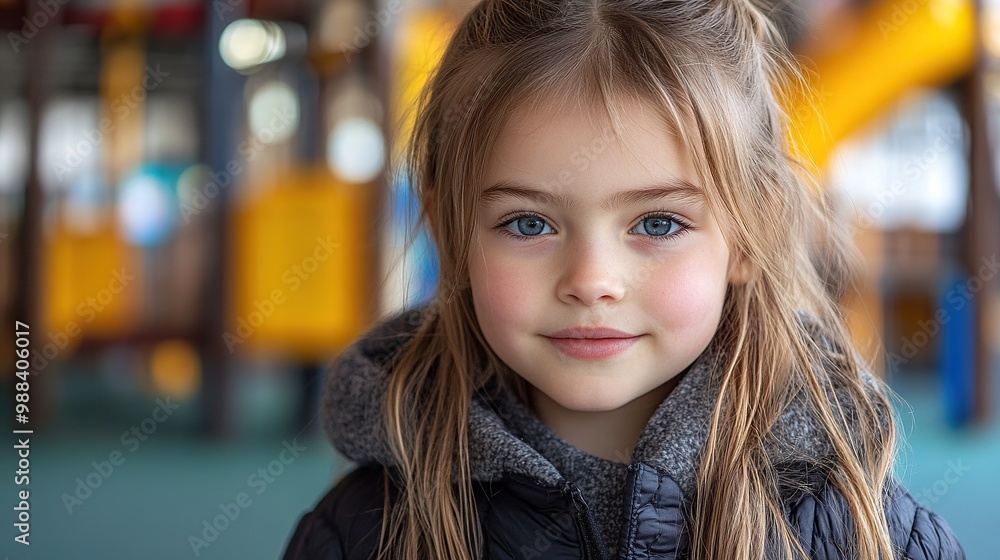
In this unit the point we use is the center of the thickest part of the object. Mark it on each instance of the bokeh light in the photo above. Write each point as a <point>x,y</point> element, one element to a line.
<point>355,149</point>
<point>248,43</point>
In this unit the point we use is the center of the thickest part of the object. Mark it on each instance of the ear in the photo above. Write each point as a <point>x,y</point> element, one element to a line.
<point>740,270</point>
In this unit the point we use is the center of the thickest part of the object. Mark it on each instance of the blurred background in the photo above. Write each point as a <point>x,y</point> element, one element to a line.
<point>201,205</point>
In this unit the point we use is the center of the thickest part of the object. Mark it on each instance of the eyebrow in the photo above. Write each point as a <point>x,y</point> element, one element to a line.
<point>679,188</point>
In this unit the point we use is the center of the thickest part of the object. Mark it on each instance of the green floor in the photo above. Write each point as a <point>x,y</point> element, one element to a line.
<point>161,493</point>
<point>955,473</point>
<point>149,499</point>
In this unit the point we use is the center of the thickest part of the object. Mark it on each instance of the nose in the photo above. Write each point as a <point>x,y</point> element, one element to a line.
<point>591,274</point>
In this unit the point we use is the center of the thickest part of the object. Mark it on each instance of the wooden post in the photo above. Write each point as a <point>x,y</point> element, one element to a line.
<point>28,241</point>
<point>981,232</point>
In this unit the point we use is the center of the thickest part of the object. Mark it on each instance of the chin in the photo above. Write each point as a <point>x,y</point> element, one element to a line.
<point>594,400</point>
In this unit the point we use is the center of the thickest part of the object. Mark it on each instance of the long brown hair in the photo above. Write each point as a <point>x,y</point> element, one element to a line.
<point>715,68</point>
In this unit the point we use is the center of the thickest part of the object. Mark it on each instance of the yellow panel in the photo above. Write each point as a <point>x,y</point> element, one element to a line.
<point>299,265</point>
<point>92,285</point>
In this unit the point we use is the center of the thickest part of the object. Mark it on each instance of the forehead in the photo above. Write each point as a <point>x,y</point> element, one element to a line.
<point>578,150</point>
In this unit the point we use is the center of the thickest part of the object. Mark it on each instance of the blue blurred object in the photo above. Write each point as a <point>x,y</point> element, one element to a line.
<point>148,206</point>
<point>427,266</point>
<point>421,258</point>
<point>958,332</point>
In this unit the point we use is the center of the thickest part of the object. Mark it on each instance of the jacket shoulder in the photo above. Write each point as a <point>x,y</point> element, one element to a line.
<point>928,535</point>
<point>826,528</point>
<point>345,524</point>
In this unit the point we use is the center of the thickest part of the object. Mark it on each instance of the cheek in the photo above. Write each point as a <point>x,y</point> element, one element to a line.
<point>689,294</point>
<point>502,291</point>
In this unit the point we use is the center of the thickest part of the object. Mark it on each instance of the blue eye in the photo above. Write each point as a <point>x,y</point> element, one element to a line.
<point>527,225</point>
<point>659,226</point>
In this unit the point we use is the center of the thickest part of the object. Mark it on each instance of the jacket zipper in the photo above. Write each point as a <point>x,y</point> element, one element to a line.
<point>590,549</point>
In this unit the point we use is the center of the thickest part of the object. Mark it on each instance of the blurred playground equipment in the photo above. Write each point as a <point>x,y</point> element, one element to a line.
<point>283,235</point>
<point>888,51</point>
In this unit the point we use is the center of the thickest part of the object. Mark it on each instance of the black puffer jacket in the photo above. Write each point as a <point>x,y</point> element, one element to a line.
<point>529,510</point>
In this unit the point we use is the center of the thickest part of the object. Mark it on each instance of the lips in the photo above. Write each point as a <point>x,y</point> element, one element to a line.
<point>592,343</point>
<point>591,332</point>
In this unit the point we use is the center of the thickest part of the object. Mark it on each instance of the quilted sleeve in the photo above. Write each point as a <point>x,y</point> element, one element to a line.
<point>826,528</point>
<point>346,522</point>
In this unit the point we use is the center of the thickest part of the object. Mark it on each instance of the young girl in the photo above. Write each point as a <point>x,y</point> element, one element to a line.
<point>630,354</point>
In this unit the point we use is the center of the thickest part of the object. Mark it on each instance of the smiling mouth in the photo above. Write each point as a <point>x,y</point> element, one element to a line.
<point>592,348</point>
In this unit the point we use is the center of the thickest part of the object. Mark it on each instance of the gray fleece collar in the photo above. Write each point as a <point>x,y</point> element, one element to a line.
<point>670,443</point>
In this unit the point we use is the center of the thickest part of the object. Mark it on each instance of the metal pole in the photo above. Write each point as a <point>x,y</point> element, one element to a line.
<point>221,118</point>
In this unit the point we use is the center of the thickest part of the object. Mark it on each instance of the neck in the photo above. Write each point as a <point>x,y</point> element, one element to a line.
<point>609,434</point>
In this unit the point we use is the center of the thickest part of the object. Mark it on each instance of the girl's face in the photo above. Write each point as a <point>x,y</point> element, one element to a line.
<point>580,229</point>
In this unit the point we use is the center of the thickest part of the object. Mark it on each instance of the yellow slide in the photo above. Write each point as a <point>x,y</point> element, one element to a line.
<point>896,46</point>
